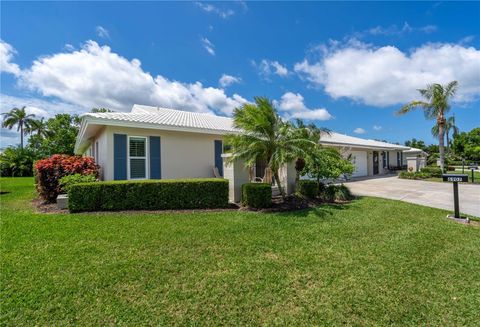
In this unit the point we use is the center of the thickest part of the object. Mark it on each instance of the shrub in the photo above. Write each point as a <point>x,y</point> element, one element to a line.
<point>67,181</point>
<point>196,193</point>
<point>415,175</point>
<point>451,168</point>
<point>329,194</point>
<point>257,195</point>
<point>49,171</point>
<point>307,188</point>
<point>406,175</point>
<point>433,171</point>
<point>321,189</point>
<point>15,161</point>
<point>343,193</point>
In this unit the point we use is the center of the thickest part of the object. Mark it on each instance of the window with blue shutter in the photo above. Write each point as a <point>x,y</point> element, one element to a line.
<point>155,158</point>
<point>218,156</point>
<point>119,156</point>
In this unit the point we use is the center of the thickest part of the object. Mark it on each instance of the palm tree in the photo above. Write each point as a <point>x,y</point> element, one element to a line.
<point>39,127</point>
<point>437,106</point>
<point>20,118</point>
<point>266,137</point>
<point>449,126</point>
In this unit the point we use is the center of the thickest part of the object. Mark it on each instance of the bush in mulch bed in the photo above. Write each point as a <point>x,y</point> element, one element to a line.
<point>257,195</point>
<point>307,188</point>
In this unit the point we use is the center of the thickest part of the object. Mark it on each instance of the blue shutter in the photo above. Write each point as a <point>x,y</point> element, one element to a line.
<point>155,158</point>
<point>388,159</point>
<point>218,156</point>
<point>119,156</point>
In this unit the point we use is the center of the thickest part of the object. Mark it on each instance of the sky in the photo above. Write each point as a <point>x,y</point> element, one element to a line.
<point>346,66</point>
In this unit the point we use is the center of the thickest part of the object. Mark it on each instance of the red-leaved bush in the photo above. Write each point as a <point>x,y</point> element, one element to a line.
<point>49,171</point>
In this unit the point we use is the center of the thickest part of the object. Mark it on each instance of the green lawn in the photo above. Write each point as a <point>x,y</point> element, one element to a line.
<point>371,262</point>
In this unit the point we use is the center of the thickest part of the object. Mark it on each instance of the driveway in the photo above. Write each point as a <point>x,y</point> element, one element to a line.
<point>431,194</point>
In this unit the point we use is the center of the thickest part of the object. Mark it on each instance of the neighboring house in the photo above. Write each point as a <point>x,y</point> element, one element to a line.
<point>370,157</point>
<point>414,159</point>
<point>153,143</point>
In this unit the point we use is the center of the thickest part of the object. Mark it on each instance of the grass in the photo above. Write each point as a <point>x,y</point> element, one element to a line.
<point>371,262</point>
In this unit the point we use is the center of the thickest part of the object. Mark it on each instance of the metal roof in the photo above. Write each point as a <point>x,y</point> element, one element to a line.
<point>186,121</point>
<point>351,141</point>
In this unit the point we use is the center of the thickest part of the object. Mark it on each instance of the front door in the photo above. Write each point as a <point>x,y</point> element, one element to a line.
<point>375,162</point>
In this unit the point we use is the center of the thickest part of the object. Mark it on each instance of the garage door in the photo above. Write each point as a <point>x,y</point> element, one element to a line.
<point>359,159</point>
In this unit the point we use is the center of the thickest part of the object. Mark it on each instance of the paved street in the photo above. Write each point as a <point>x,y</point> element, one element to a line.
<point>432,194</point>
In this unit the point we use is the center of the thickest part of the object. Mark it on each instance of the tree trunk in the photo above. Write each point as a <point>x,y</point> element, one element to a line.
<point>448,143</point>
<point>441,139</point>
<point>21,135</point>
<point>279,184</point>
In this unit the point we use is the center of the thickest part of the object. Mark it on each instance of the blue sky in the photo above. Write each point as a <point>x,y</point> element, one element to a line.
<point>345,66</point>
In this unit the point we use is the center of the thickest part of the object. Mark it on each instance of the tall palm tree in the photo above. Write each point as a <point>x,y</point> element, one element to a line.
<point>265,136</point>
<point>39,127</point>
<point>450,126</point>
<point>436,106</point>
<point>19,117</point>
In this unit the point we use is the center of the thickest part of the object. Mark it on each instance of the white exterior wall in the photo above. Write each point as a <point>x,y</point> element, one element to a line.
<point>183,154</point>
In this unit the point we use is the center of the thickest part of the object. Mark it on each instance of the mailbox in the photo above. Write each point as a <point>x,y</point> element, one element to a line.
<point>455,178</point>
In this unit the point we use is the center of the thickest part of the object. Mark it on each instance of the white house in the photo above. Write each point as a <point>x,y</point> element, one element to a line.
<point>160,143</point>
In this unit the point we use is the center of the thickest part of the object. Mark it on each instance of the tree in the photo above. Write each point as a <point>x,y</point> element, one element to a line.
<point>327,163</point>
<point>265,136</point>
<point>436,106</point>
<point>38,127</point>
<point>467,144</point>
<point>100,110</point>
<point>20,118</point>
<point>17,161</point>
<point>60,136</point>
<point>414,143</point>
<point>449,126</point>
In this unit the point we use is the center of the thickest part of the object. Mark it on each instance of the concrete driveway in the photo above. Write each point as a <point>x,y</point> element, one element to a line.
<point>431,194</point>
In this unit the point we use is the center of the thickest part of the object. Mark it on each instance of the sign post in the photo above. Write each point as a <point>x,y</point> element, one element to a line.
<point>455,178</point>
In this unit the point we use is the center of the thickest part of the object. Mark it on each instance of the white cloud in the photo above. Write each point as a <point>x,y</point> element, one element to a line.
<point>227,80</point>
<point>69,47</point>
<point>208,46</point>
<point>377,127</point>
<point>102,32</point>
<point>382,76</point>
<point>38,107</point>
<point>266,68</point>
<point>94,76</point>
<point>359,130</point>
<point>6,55</point>
<point>293,106</point>
<point>210,8</point>
<point>394,30</point>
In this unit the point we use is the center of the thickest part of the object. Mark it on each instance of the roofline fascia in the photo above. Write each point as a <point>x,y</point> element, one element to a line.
<point>123,123</point>
<point>364,146</point>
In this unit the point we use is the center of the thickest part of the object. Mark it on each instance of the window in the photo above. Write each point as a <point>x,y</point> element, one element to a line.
<point>137,151</point>
<point>384,159</point>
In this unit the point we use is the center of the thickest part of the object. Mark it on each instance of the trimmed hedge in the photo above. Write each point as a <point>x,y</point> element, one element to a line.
<point>433,171</point>
<point>307,188</point>
<point>197,193</point>
<point>257,195</point>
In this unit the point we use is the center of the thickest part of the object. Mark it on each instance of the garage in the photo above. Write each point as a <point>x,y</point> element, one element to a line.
<point>359,159</point>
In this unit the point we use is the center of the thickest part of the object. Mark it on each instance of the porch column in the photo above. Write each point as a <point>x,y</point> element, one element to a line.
<point>287,177</point>
<point>237,174</point>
